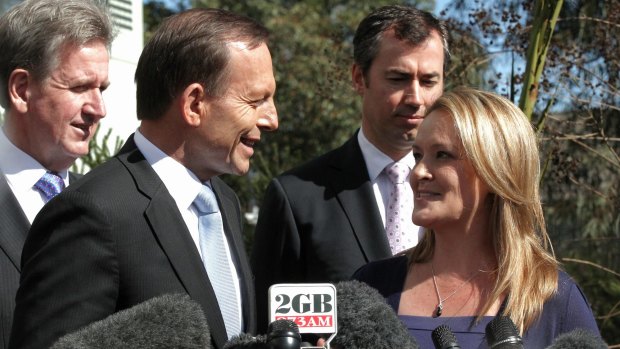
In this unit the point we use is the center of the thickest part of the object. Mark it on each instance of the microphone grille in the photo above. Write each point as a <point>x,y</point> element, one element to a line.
<point>283,326</point>
<point>501,330</point>
<point>444,338</point>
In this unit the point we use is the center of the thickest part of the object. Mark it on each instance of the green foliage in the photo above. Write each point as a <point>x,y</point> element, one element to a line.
<point>154,12</point>
<point>99,152</point>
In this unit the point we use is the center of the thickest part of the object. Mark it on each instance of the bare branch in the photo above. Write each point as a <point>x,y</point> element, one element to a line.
<point>588,187</point>
<point>611,161</point>
<point>591,19</point>
<point>581,261</point>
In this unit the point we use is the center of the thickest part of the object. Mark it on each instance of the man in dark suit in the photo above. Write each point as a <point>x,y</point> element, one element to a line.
<point>53,68</point>
<point>321,221</point>
<point>133,228</point>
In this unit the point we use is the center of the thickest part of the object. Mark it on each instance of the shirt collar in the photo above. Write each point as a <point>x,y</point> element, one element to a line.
<point>21,170</point>
<point>182,184</point>
<point>376,160</point>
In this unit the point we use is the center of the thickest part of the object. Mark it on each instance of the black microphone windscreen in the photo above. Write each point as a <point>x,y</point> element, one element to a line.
<point>168,321</point>
<point>443,338</point>
<point>283,334</point>
<point>365,320</point>
<point>283,326</point>
<point>578,339</point>
<point>502,333</point>
<point>246,341</point>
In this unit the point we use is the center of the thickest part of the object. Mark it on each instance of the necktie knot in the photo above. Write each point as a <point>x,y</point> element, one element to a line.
<point>397,172</point>
<point>205,201</point>
<point>51,184</point>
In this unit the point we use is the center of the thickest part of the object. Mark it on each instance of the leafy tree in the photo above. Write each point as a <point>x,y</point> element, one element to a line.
<point>154,12</point>
<point>99,151</point>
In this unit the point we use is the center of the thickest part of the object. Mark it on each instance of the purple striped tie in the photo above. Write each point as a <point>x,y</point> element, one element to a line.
<point>50,185</point>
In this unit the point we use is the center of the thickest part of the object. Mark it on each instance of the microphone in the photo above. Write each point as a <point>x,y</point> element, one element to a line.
<point>443,338</point>
<point>578,339</point>
<point>246,341</point>
<point>167,321</point>
<point>502,333</point>
<point>365,320</point>
<point>284,334</point>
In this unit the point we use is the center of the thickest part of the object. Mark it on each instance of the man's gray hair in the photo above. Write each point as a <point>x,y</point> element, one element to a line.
<point>33,32</point>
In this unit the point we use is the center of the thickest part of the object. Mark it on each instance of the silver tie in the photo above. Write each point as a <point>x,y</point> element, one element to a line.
<point>212,247</point>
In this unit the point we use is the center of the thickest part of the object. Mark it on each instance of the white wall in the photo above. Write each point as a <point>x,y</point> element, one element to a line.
<point>120,97</point>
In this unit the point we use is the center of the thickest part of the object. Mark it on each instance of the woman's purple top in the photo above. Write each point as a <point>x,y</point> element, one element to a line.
<point>567,310</point>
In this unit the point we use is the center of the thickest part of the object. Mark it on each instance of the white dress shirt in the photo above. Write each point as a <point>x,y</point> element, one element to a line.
<point>22,171</point>
<point>183,186</point>
<point>376,161</point>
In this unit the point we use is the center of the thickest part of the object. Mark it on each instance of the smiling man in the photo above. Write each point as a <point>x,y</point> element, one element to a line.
<point>321,221</point>
<point>53,70</point>
<point>156,219</point>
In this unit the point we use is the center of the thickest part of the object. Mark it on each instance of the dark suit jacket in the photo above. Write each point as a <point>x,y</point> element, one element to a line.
<point>318,223</point>
<point>110,241</point>
<point>13,230</point>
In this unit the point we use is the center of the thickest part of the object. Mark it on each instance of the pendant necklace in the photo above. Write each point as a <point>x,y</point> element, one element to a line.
<point>439,308</point>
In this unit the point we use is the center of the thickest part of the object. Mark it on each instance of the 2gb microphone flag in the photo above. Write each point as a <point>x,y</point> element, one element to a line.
<point>311,306</point>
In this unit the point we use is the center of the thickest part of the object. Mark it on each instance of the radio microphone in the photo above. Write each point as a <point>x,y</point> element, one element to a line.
<point>166,321</point>
<point>283,334</point>
<point>360,319</point>
<point>502,333</point>
<point>247,341</point>
<point>443,338</point>
<point>578,339</point>
<point>365,320</point>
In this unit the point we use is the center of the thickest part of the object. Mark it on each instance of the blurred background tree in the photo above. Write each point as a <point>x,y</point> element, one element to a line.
<point>575,107</point>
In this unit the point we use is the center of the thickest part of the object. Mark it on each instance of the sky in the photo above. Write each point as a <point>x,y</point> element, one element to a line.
<point>439,4</point>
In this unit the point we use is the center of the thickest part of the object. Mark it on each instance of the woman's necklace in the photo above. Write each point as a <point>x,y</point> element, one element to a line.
<point>439,308</point>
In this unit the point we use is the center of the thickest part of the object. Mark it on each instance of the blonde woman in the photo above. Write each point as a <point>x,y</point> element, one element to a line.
<point>486,250</point>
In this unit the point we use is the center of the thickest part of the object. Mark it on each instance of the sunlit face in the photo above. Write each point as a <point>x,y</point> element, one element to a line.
<point>401,83</point>
<point>233,122</point>
<point>64,108</point>
<point>448,193</point>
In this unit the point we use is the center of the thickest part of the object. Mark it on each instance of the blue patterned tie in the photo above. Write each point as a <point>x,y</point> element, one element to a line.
<point>212,246</point>
<point>50,185</point>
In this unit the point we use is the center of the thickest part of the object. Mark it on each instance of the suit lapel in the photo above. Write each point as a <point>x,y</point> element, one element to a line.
<point>234,233</point>
<point>13,224</point>
<point>74,177</point>
<point>171,232</point>
<point>352,186</point>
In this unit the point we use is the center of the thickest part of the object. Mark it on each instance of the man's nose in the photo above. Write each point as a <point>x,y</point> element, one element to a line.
<point>268,120</point>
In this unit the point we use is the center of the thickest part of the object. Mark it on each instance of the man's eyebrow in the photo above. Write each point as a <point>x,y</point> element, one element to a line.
<point>431,75</point>
<point>398,71</point>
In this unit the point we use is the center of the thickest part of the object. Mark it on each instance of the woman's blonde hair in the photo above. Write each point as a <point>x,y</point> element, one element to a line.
<point>501,145</point>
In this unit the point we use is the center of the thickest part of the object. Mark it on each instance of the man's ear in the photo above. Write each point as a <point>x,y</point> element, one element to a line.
<point>193,104</point>
<point>357,77</point>
<point>18,84</point>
